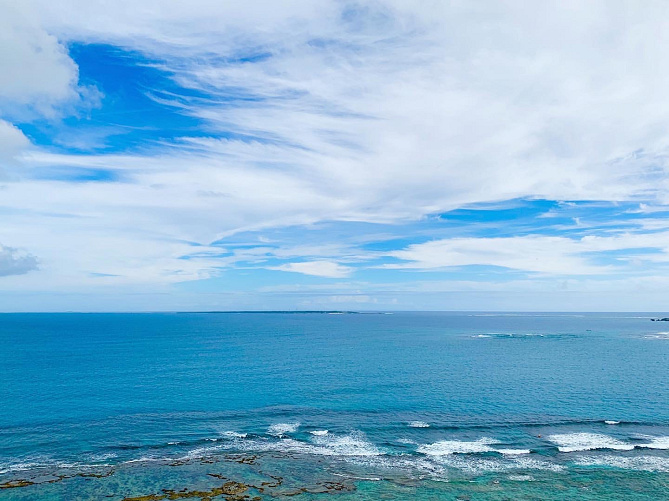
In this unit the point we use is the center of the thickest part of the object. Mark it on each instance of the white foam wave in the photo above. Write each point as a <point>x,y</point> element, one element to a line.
<point>656,443</point>
<point>408,465</point>
<point>21,467</point>
<point>103,456</point>
<point>202,452</point>
<point>50,464</point>
<point>82,466</point>
<point>574,442</point>
<point>319,433</point>
<point>610,421</point>
<point>279,429</point>
<point>513,452</point>
<point>419,424</point>
<point>354,444</point>
<point>234,434</point>
<point>657,335</point>
<point>143,459</point>
<point>475,465</point>
<point>283,445</point>
<point>639,463</point>
<point>446,447</point>
<point>64,464</point>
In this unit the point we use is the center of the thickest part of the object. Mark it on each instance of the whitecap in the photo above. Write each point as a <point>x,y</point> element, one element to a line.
<point>574,442</point>
<point>319,433</point>
<point>63,464</point>
<point>201,452</point>
<point>476,465</point>
<point>446,447</point>
<point>354,444</point>
<point>21,467</point>
<point>143,459</point>
<point>513,452</point>
<point>264,445</point>
<point>419,424</point>
<point>609,421</point>
<point>639,463</point>
<point>657,335</point>
<point>408,465</point>
<point>656,443</point>
<point>280,429</point>
<point>103,456</point>
<point>234,434</point>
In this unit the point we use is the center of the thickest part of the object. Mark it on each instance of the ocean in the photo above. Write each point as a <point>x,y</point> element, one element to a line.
<point>341,406</point>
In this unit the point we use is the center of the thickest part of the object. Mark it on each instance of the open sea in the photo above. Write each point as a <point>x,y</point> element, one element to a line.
<point>417,406</point>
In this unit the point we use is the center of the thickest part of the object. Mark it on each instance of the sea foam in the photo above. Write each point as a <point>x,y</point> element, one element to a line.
<point>513,452</point>
<point>657,335</point>
<point>656,443</point>
<point>354,444</point>
<point>476,465</point>
<point>280,429</point>
<point>574,442</point>
<point>446,447</point>
<point>418,424</point>
<point>234,434</point>
<point>639,463</point>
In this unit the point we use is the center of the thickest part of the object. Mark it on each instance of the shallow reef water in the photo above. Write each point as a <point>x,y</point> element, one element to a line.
<point>242,406</point>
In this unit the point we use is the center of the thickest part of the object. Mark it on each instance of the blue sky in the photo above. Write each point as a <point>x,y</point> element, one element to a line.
<point>383,155</point>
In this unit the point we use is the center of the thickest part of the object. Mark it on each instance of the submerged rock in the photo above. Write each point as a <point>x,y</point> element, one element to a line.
<point>233,491</point>
<point>16,483</point>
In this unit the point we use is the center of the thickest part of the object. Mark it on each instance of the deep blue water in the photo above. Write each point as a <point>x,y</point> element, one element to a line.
<point>416,405</point>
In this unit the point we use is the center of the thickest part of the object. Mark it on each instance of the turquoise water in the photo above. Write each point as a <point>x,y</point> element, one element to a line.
<point>315,405</point>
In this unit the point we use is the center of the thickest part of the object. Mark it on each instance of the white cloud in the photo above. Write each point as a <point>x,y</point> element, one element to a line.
<point>12,141</point>
<point>374,111</point>
<point>15,262</point>
<point>36,69</point>
<point>405,108</point>
<point>536,253</point>
<point>38,77</point>
<point>532,253</point>
<point>326,269</point>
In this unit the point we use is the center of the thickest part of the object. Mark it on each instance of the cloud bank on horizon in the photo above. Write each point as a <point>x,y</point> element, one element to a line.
<point>332,154</point>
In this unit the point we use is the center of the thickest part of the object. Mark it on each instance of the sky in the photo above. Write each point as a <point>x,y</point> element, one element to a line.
<point>334,155</point>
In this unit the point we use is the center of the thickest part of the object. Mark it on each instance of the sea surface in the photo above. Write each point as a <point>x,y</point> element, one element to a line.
<point>420,406</point>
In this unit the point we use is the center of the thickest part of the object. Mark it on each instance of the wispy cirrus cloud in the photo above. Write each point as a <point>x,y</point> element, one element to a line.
<point>269,116</point>
<point>539,253</point>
